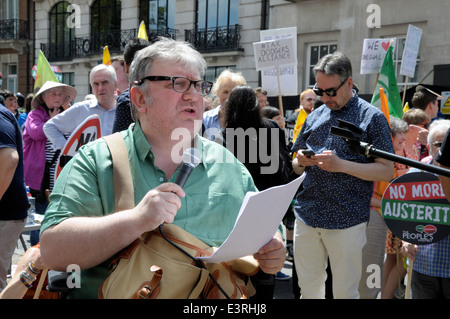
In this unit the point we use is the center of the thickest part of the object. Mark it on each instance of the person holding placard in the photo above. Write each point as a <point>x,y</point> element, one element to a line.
<point>443,159</point>
<point>103,81</point>
<point>431,263</point>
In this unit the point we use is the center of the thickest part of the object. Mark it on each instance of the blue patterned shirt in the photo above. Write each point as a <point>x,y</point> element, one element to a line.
<point>337,200</point>
<point>433,259</point>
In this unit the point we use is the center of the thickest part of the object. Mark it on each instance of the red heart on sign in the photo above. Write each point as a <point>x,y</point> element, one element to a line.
<point>385,45</point>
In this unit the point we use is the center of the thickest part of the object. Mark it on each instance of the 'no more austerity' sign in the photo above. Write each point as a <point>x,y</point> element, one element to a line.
<point>415,208</point>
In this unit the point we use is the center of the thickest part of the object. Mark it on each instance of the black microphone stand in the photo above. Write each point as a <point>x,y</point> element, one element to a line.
<point>351,134</point>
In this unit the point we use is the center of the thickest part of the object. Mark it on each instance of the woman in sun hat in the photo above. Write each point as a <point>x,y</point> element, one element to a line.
<point>50,100</point>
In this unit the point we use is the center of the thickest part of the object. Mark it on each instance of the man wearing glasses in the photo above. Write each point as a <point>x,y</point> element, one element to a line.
<point>333,208</point>
<point>81,225</point>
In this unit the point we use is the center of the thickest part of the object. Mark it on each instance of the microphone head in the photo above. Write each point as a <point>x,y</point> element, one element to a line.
<point>192,157</point>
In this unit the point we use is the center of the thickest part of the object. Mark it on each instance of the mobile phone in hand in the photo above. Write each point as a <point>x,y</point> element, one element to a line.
<point>308,153</point>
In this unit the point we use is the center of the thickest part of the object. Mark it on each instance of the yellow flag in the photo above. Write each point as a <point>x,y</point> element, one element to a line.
<point>44,73</point>
<point>106,56</point>
<point>142,32</point>
<point>406,107</point>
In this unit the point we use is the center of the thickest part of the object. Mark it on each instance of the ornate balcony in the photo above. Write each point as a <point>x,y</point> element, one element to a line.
<point>13,29</point>
<point>88,46</point>
<point>83,47</point>
<point>215,39</point>
<point>163,32</point>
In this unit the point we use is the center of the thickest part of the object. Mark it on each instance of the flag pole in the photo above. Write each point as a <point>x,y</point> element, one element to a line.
<point>404,90</point>
<point>280,98</point>
<point>408,283</point>
<point>376,81</point>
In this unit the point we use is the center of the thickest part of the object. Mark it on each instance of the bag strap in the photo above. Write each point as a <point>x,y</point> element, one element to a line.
<point>123,183</point>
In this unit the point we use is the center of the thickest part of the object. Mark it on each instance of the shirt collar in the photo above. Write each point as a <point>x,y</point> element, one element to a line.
<point>144,149</point>
<point>93,103</point>
<point>353,101</point>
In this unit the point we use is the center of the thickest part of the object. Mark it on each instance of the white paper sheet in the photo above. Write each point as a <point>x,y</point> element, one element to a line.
<point>258,220</point>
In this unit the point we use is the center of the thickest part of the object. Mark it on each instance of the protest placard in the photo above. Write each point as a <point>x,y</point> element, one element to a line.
<point>86,132</point>
<point>274,53</point>
<point>374,51</point>
<point>415,208</point>
<point>285,74</point>
<point>410,51</point>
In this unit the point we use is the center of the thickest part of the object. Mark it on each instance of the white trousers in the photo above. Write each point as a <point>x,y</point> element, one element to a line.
<point>312,247</point>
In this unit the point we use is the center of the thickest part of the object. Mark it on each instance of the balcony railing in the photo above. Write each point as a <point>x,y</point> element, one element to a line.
<point>13,29</point>
<point>94,44</point>
<point>163,32</point>
<point>88,46</point>
<point>215,39</point>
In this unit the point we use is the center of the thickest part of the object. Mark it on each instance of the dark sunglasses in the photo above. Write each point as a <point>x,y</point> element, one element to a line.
<point>329,92</point>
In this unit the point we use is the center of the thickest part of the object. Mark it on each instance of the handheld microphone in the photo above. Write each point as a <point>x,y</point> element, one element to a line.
<point>191,158</point>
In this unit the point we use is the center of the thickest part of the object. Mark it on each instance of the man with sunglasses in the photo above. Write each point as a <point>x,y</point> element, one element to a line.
<point>81,225</point>
<point>333,207</point>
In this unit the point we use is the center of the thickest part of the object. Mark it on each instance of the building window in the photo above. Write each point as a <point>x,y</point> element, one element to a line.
<point>68,78</point>
<point>213,72</point>
<point>9,10</point>
<point>397,57</point>
<point>12,78</point>
<point>315,53</point>
<point>61,35</point>
<point>105,16</point>
<point>158,15</point>
<point>217,13</point>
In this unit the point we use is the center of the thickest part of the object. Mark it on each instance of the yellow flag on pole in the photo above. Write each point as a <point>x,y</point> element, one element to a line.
<point>44,73</point>
<point>406,107</point>
<point>142,32</point>
<point>106,56</point>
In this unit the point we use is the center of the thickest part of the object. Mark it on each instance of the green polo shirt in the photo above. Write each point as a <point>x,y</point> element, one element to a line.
<point>214,191</point>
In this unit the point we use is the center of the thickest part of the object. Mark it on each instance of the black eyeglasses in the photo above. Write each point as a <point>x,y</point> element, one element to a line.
<point>181,84</point>
<point>437,144</point>
<point>329,92</point>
